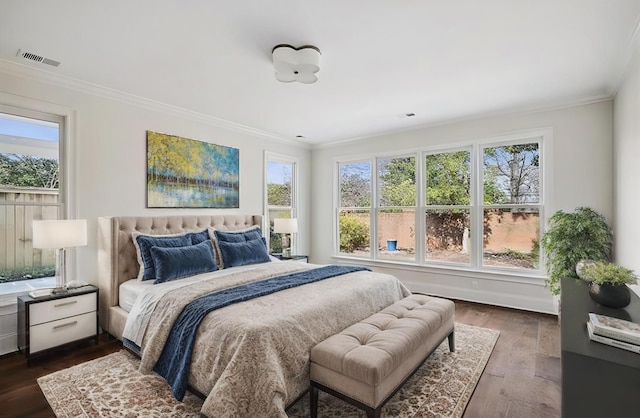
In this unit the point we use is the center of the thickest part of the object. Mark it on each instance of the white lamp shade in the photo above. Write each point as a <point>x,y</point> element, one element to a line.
<point>285,226</point>
<point>61,233</point>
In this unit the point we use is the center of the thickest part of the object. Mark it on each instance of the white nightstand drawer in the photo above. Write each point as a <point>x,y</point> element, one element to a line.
<point>52,334</point>
<point>61,308</point>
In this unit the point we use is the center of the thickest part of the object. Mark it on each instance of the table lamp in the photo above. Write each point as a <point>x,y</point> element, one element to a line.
<point>285,226</point>
<point>60,234</point>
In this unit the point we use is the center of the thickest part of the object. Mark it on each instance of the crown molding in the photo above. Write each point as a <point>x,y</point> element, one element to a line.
<point>40,75</point>
<point>625,64</point>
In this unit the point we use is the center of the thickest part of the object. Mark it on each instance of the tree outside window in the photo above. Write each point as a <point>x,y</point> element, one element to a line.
<point>511,209</point>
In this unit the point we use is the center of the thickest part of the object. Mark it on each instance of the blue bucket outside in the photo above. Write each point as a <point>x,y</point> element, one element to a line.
<point>391,244</point>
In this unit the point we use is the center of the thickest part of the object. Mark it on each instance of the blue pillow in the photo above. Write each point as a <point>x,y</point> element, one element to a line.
<point>242,253</point>
<point>177,262</point>
<point>144,245</point>
<point>198,237</point>
<point>243,236</point>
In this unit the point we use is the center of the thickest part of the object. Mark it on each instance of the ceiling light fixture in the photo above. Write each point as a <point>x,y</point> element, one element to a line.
<point>296,64</point>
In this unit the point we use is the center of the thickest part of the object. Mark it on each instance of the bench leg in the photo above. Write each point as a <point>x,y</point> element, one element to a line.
<point>452,342</point>
<point>313,395</point>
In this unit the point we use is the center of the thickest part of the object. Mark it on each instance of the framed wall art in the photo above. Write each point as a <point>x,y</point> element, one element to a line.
<point>186,173</point>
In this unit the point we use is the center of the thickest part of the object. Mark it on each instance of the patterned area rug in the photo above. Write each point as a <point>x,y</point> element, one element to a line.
<point>111,386</point>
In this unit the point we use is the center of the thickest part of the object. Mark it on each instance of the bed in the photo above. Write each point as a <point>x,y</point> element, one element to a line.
<point>249,358</point>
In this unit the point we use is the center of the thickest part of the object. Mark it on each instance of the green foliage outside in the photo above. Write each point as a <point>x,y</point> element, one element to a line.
<point>448,178</point>
<point>354,234</point>
<point>398,177</point>
<point>279,194</point>
<point>24,273</point>
<point>29,171</point>
<point>571,237</point>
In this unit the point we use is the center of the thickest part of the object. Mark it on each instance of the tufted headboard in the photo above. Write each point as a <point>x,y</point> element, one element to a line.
<point>117,260</point>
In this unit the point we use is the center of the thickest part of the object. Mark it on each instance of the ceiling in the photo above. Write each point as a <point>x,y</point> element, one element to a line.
<point>440,60</point>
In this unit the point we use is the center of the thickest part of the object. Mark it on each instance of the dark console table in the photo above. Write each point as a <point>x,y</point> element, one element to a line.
<point>598,380</point>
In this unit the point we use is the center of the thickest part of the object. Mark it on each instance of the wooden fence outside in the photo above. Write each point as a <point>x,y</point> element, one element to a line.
<point>18,208</point>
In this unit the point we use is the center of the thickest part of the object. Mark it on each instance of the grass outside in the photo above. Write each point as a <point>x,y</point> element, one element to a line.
<point>26,273</point>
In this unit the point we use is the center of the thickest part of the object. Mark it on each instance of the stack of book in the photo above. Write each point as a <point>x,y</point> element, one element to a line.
<point>615,332</point>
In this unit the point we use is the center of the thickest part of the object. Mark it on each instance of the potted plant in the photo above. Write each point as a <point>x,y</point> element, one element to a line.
<point>571,237</point>
<point>608,283</point>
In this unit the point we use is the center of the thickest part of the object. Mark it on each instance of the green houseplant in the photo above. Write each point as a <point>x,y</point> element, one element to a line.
<point>581,235</point>
<point>608,283</point>
<point>608,273</point>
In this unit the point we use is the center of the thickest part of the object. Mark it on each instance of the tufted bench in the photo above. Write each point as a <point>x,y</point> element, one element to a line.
<point>368,362</point>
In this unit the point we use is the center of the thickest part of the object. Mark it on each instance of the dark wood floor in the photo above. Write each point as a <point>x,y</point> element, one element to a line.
<point>521,380</point>
<point>523,376</point>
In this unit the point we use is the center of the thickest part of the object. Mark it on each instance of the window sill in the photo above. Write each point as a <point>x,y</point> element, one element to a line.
<point>514,276</point>
<point>11,290</point>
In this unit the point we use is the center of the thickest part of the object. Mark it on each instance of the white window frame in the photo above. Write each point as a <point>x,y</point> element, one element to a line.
<point>282,159</point>
<point>544,137</point>
<point>65,117</point>
<point>423,207</point>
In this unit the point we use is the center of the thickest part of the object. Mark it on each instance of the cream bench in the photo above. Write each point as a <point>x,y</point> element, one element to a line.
<point>368,362</point>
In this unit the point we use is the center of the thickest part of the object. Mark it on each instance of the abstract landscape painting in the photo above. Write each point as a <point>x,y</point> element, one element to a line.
<point>185,173</point>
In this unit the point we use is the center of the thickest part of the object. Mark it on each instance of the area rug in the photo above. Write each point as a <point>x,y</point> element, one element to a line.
<point>111,386</point>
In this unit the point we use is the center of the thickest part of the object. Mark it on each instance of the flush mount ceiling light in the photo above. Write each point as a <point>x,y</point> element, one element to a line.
<point>296,64</point>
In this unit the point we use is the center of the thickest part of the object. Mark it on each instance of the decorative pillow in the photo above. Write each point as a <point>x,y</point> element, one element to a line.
<point>198,237</point>
<point>242,253</point>
<point>176,262</point>
<point>241,235</point>
<point>238,236</point>
<point>143,244</point>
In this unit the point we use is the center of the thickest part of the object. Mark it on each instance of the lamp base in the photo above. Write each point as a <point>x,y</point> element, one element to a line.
<point>61,270</point>
<point>59,290</point>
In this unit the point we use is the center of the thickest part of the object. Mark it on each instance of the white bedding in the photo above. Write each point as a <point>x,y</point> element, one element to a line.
<point>131,289</point>
<point>129,292</point>
<point>148,295</point>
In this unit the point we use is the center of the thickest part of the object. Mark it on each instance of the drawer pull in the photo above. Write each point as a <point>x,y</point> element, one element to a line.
<point>68,324</point>
<point>65,303</point>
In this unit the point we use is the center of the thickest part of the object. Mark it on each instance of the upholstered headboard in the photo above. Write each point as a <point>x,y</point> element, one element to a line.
<point>117,260</point>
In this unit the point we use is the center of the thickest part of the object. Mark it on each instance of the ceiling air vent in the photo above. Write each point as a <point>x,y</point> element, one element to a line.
<point>37,58</point>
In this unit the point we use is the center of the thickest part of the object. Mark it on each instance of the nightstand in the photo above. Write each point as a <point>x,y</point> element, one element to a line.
<point>301,258</point>
<point>50,322</point>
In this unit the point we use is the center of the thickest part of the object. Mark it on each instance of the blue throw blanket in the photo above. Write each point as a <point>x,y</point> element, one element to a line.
<point>175,360</point>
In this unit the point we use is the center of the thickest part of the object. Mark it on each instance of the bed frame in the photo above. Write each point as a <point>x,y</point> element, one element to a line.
<point>117,259</point>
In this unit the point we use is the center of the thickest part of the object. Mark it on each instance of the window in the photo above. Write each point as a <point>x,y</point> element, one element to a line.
<point>30,183</point>
<point>396,208</point>
<point>447,213</point>
<point>281,191</point>
<point>354,214</point>
<point>478,206</point>
<point>511,207</point>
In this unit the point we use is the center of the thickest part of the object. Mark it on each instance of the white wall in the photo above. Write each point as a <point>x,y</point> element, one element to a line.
<point>626,128</point>
<point>582,176</point>
<point>109,140</point>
